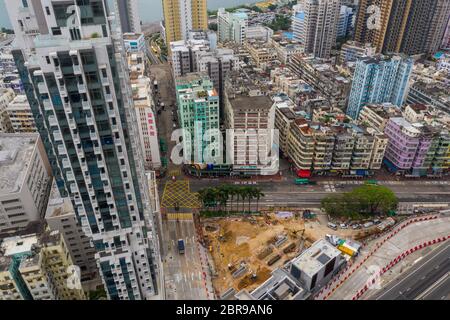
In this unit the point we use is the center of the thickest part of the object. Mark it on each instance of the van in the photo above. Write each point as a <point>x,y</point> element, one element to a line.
<point>332,226</point>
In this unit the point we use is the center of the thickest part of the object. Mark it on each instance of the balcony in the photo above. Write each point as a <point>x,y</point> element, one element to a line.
<point>93,135</point>
<point>72,124</point>
<point>73,188</point>
<point>47,105</point>
<point>67,107</point>
<point>103,176</point>
<point>42,88</point>
<point>61,150</point>
<point>66,163</point>
<point>70,176</point>
<point>90,121</point>
<point>108,97</point>
<point>77,69</point>
<point>105,81</point>
<point>52,121</point>
<point>63,91</point>
<point>57,135</point>
<point>86,105</point>
<point>58,73</point>
<point>97,150</point>
<point>82,88</point>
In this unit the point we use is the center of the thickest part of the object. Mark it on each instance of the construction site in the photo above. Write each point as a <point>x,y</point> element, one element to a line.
<point>245,250</point>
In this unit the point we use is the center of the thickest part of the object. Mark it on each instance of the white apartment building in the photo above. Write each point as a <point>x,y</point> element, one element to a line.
<point>232,26</point>
<point>259,32</point>
<point>145,114</point>
<point>252,117</point>
<point>83,69</point>
<point>25,180</point>
<point>6,96</point>
<point>20,115</point>
<point>134,42</point>
<point>315,25</point>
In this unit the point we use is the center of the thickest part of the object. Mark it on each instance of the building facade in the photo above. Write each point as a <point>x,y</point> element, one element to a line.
<point>251,116</point>
<point>37,267</point>
<point>416,148</point>
<point>182,16</point>
<point>26,178</point>
<point>232,26</point>
<point>315,26</point>
<point>60,216</point>
<point>20,115</point>
<point>128,12</point>
<point>81,99</point>
<point>406,26</point>
<point>6,96</point>
<point>378,80</point>
<point>199,116</point>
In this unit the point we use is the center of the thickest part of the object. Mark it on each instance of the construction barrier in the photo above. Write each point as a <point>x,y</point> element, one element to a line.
<point>396,261</point>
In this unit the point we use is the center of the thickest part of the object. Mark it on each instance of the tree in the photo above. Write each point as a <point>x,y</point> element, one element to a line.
<point>258,195</point>
<point>367,200</point>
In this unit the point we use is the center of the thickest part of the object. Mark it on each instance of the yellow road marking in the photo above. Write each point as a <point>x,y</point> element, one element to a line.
<point>179,216</point>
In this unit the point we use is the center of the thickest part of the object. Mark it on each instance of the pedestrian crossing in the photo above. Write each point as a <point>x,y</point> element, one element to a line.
<point>180,216</point>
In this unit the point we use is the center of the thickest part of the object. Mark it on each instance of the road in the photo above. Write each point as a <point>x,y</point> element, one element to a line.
<point>184,272</point>
<point>428,280</point>
<point>409,237</point>
<point>287,194</point>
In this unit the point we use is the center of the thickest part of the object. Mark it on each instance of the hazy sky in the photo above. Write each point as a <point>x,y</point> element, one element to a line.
<point>150,10</point>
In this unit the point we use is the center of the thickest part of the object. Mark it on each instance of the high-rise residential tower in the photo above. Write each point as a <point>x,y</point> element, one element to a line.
<point>405,26</point>
<point>315,25</point>
<point>128,11</point>
<point>182,16</point>
<point>232,26</point>
<point>379,80</point>
<point>71,61</point>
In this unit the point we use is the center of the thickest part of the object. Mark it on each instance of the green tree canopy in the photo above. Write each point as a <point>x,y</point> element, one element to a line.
<point>367,200</point>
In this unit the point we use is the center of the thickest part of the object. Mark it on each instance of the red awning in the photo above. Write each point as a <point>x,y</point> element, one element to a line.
<point>304,173</point>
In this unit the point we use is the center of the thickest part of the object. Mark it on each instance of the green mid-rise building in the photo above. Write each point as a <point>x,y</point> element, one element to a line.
<point>198,112</point>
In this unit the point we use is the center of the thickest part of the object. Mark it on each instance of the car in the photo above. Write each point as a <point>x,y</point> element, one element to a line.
<point>343,226</point>
<point>377,221</point>
<point>332,226</point>
<point>368,224</point>
<point>356,226</point>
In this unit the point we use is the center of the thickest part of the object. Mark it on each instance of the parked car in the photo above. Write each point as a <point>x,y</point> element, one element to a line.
<point>368,224</point>
<point>356,226</point>
<point>343,226</point>
<point>332,226</point>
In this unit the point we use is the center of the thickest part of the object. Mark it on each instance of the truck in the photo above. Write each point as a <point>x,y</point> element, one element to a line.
<point>180,246</point>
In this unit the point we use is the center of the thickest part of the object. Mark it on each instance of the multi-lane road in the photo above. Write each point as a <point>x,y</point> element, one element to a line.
<point>286,193</point>
<point>428,280</point>
<point>184,278</point>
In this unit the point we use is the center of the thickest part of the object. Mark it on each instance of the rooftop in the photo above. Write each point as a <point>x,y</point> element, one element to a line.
<point>316,257</point>
<point>242,102</point>
<point>18,244</point>
<point>132,36</point>
<point>58,206</point>
<point>15,155</point>
<point>20,102</point>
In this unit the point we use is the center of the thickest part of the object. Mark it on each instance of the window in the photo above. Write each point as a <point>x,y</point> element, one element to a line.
<point>25,3</point>
<point>47,58</point>
<point>56,31</point>
<point>47,9</point>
